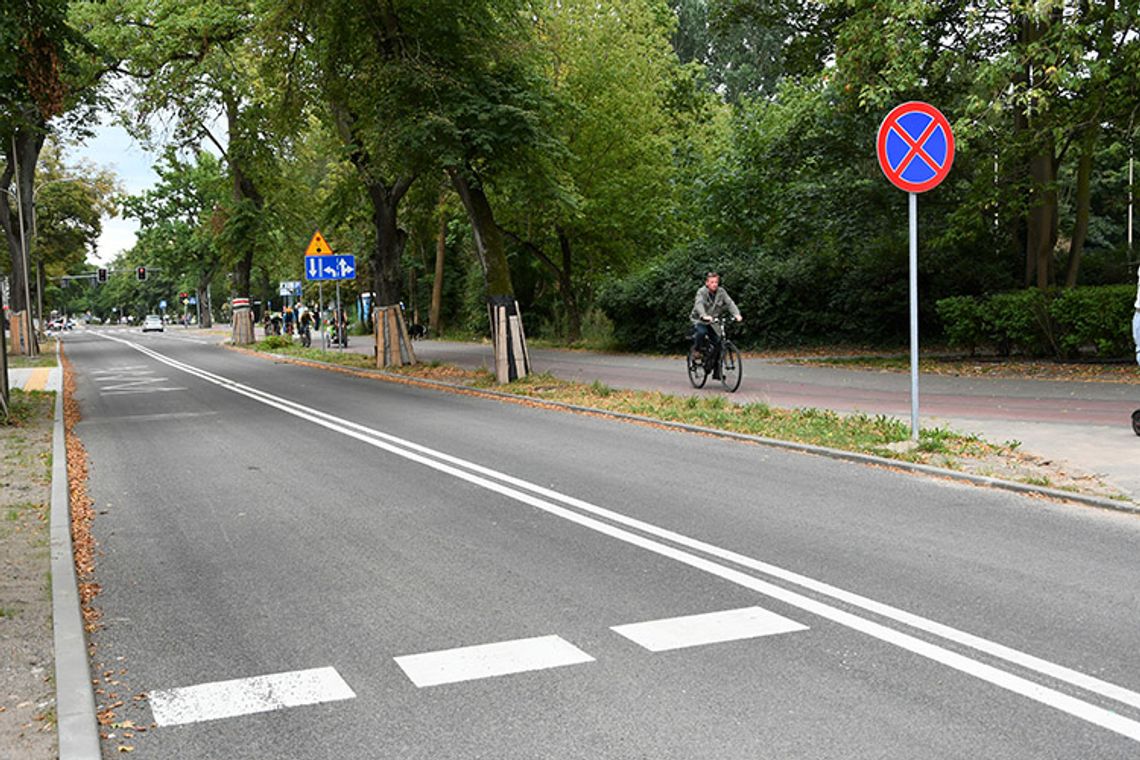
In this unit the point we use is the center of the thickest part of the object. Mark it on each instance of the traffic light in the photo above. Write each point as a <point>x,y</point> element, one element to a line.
<point>101,274</point>
<point>140,272</point>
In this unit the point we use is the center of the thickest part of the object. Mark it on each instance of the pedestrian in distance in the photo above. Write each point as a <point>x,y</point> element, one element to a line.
<point>1136,318</point>
<point>711,302</point>
<point>305,323</point>
<point>1136,340</point>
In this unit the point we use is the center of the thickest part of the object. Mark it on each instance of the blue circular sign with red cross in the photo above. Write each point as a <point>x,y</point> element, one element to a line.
<point>915,147</point>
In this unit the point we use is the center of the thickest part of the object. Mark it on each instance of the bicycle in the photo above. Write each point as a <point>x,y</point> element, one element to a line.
<point>334,336</point>
<point>728,362</point>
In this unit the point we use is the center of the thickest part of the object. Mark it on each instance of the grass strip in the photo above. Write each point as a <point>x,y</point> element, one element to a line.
<point>854,432</point>
<point>879,435</point>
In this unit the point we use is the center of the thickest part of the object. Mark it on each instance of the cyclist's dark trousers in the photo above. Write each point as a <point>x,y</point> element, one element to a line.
<point>703,332</point>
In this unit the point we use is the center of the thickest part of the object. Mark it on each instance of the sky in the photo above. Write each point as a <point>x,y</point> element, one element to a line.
<point>114,149</point>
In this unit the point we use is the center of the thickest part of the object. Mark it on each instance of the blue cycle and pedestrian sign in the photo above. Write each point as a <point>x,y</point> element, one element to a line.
<point>915,147</point>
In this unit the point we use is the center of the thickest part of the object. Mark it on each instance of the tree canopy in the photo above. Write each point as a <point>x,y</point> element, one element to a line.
<point>567,154</point>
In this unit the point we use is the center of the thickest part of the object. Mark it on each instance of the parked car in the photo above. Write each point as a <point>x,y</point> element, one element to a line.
<point>152,322</point>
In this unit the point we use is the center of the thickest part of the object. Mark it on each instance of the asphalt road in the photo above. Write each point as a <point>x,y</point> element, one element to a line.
<point>302,564</point>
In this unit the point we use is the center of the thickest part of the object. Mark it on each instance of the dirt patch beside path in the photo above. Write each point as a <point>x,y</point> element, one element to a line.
<point>27,684</point>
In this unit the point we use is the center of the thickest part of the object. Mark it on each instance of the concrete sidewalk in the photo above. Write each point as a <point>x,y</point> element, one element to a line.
<point>36,379</point>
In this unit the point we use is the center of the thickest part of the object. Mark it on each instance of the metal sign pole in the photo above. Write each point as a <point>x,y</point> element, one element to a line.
<point>915,148</point>
<point>913,316</point>
<point>336,319</point>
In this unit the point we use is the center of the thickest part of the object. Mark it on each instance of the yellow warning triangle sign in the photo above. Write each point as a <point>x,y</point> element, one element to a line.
<point>318,246</point>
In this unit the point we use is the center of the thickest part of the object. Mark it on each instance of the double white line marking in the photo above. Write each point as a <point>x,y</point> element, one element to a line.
<point>689,551</point>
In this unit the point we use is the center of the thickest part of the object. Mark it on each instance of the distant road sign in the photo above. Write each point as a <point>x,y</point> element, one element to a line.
<point>334,267</point>
<point>915,147</point>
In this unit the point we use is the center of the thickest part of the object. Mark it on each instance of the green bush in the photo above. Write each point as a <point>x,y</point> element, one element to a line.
<point>1100,317</point>
<point>650,308</point>
<point>784,300</point>
<point>962,322</point>
<point>1059,323</point>
<point>1019,321</point>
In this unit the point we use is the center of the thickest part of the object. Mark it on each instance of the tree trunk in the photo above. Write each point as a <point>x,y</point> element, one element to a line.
<point>512,360</point>
<point>245,192</point>
<point>1042,233</point>
<point>249,200</point>
<point>1041,221</point>
<point>389,242</point>
<point>22,149</point>
<point>564,273</point>
<point>437,282</point>
<point>1081,225</point>
<point>4,393</point>
<point>40,294</point>
<point>413,296</point>
<point>566,288</point>
<point>207,319</point>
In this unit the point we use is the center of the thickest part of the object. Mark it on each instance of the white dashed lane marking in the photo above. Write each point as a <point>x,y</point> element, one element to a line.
<point>489,660</point>
<point>246,696</point>
<point>708,628</point>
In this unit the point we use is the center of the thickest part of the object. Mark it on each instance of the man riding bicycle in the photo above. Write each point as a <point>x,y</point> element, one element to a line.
<point>711,301</point>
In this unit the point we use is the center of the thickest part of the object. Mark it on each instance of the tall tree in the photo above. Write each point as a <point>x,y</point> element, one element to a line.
<point>180,219</point>
<point>1035,83</point>
<point>34,41</point>
<point>609,197</point>
<point>346,56</point>
<point>193,66</point>
<point>450,84</point>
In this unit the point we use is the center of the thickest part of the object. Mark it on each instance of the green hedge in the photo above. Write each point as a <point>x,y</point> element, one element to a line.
<point>1058,323</point>
<point>786,300</point>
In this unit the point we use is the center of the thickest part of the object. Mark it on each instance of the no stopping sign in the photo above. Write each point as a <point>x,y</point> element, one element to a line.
<point>915,147</point>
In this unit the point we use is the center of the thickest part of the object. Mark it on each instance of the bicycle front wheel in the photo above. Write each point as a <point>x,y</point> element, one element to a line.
<point>698,373</point>
<point>731,370</point>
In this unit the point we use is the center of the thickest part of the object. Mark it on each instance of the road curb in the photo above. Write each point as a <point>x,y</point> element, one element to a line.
<point>807,448</point>
<point>77,726</point>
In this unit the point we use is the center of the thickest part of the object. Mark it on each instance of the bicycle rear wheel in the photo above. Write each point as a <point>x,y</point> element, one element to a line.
<point>698,373</point>
<point>731,371</point>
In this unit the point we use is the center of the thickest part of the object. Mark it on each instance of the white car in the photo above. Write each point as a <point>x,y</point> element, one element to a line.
<point>152,322</point>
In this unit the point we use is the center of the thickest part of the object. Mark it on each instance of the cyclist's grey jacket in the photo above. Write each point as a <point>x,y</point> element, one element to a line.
<point>708,304</point>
